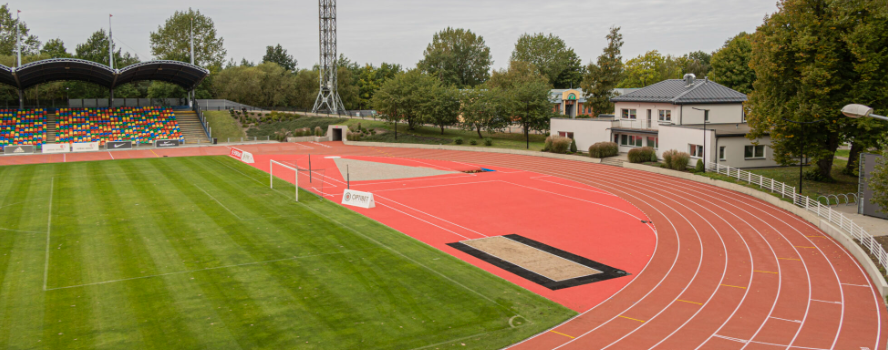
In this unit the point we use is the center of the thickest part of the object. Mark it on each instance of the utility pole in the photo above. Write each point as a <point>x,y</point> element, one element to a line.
<point>110,59</point>
<point>18,39</point>
<point>328,96</point>
<point>191,34</point>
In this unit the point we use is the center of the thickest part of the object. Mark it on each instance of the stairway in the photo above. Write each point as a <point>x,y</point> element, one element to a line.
<point>192,130</point>
<point>51,121</point>
<point>615,161</point>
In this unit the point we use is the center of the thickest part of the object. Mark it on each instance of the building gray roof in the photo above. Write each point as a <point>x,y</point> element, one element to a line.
<point>677,91</point>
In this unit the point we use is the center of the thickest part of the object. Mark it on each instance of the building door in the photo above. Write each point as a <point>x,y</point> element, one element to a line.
<point>568,109</point>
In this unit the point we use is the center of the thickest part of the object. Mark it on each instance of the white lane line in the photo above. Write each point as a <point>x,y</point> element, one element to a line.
<point>112,156</point>
<point>744,341</point>
<point>783,319</point>
<point>856,285</point>
<point>48,230</point>
<point>575,198</point>
<point>208,269</point>
<point>217,201</point>
<point>580,188</point>
<point>430,215</point>
<point>416,188</point>
<point>827,301</point>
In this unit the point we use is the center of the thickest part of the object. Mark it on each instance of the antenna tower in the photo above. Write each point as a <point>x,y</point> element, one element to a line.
<point>328,96</point>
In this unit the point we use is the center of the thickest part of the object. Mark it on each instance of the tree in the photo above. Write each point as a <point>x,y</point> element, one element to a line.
<point>550,55</point>
<point>388,101</point>
<point>810,59</point>
<point>442,107</point>
<point>55,48</point>
<point>8,44</point>
<point>528,104</point>
<point>172,40</point>
<point>267,84</point>
<point>371,78</point>
<point>484,109</point>
<point>519,73</point>
<point>457,57</point>
<point>697,63</point>
<point>572,76</point>
<point>96,49</point>
<point>730,64</point>
<point>604,75</point>
<point>650,68</point>
<point>279,55</point>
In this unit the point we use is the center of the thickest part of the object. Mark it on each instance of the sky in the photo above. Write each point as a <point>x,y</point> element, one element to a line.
<point>397,31</point>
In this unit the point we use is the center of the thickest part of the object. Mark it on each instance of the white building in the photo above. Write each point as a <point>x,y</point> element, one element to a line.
<point>670,115</point>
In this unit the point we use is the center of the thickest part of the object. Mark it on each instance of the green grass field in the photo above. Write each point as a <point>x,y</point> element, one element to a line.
<point>188,253</point>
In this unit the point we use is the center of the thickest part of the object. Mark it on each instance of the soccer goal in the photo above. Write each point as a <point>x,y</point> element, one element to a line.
<point>285,173</point>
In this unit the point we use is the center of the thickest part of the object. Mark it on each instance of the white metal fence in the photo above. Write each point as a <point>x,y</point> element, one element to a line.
<point>808,204</point>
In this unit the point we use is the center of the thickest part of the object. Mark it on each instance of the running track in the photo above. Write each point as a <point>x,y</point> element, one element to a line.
<point>729,271</point>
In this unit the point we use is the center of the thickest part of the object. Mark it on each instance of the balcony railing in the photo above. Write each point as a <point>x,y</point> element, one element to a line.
<point>635,124</point>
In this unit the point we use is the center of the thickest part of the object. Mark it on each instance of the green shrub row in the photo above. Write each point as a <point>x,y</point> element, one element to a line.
<point>676,160</point>
<point>557,144</point>
<point>642,155</point>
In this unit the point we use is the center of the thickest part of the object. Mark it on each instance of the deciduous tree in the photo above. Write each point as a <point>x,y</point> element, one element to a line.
<point>172,40</point>
<point>457,57</point>
<point>551,56</point>
<point>730,64</point>
<point>55,48</point>
<point>30,44</point>
<point>650,68</point>
<point>279,55</point>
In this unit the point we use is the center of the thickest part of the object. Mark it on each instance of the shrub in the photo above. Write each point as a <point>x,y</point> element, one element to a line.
<point>488,141</point>
<point>473,142</point>
<point>458,140</point>
<point>318,131</point>
<point>680,161</point>
<point>640,155</point>
<point>573,146</point>
<point>699,167</point>
<point>667,158</point>
<point>559,144</point>
<point>654,156</point>
<point>604,149</point>
<point>548,145</point>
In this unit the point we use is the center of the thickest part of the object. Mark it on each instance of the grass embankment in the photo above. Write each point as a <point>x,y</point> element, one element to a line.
<point>224,126</point>
<point>270,129</point>
<point>790,176</point>
<point>433,136</point>
<point>198,253</point>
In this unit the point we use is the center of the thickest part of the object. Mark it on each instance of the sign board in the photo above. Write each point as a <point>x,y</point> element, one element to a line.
<point>56,147</point>
<point>241,155</point>
<point>18,149</point>
<point>112,145</point>
<point>865,194</point>
<point>166,143</point>
<point>358,199</point>
<point>84,146</point>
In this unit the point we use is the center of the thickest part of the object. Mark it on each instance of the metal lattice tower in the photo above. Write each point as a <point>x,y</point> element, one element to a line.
<point>328,95</point>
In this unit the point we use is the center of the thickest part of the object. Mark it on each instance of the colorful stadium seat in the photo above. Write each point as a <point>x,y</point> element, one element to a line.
<point>139,124</point>
<point>22,127</point>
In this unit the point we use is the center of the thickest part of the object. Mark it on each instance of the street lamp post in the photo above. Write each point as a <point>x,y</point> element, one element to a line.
<point>857,111</point>
<point>526,117</point>
<point>705,120</point>
<point>803,148</point>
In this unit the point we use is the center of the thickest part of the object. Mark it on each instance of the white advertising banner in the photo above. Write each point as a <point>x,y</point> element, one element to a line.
<point>84,146</point>
<point>241,155</point>
<point>358,199</point>
<point>56,147</point>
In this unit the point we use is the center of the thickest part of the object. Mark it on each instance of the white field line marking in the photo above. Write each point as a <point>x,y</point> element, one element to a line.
<point>425,221</point>
<point>207,269</point>
<point>529,269</point>
<point>217,201</point>
<point>416,188</point>
<point>48,230</point>
<point>313,172</point>
<point>856,285</point>
<point>301,145</point>
<point>581,200</point>
<point>21,231</point>
<point>827,301</point>
<point>382,245</point>
<point>319,144</point>
<point>424,178</point>
<point>112,156</point>
<point>744,341</point>
<point>783,319</point>
<point>580,188</point>
<point>64,157</point>
<point>322,192</point>
<point>430,215</point>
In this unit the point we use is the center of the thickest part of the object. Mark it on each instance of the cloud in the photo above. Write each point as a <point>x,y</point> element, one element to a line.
<point>398,30</point>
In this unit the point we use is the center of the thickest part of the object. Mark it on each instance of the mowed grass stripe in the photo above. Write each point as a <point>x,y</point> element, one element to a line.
<point>388,291</point>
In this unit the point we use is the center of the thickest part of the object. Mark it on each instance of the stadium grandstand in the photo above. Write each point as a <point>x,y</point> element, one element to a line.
<point>140,125</point>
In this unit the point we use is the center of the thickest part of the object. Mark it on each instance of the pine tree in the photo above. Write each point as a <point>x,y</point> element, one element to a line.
<point>602,77</point>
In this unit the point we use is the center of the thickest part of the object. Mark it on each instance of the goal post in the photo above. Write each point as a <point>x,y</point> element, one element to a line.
<point>285,172</point>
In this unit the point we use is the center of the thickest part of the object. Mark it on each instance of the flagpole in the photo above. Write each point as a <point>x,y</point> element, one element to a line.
<point>18,38</point>
<point>110,43</point>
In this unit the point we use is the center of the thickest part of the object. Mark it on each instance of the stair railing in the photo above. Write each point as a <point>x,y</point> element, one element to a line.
<point>203,122</point>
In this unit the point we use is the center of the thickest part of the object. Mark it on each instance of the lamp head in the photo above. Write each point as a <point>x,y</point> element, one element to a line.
<point>856,111</point>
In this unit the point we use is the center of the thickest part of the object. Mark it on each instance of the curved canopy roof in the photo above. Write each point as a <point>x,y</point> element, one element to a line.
<point>183,74</point>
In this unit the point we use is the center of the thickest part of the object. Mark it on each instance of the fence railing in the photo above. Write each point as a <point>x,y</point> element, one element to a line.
<point>811,205</point>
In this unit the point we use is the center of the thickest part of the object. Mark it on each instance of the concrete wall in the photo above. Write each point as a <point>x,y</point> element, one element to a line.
<point>642,107</point>
<point>839,235</point>
<point>735,152</point>
<point>586,131</point>
<point>678,138</point>
<point>718,114</point>
<point>578,158</point>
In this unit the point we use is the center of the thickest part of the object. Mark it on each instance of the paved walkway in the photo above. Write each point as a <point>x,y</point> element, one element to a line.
<point>872,225</point>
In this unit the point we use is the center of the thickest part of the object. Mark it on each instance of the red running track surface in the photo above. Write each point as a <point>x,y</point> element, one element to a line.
<point>729,271</point>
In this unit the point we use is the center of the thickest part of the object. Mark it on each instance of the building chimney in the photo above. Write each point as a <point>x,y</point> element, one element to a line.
<point>689,79</point>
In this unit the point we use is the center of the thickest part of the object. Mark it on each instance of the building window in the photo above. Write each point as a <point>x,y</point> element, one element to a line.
<point>629,114</point>
<point>696,151</point>
<point>566,134</point>
<point>638,141</point>
<point>665,115</point>
<point>721,153</point>
<point>754,152</point>
<point>624,140</point>
<point>653,142</point>
<point>706,115</point>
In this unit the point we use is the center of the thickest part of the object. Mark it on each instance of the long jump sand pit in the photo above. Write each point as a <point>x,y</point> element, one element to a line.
<point>542,264</point>
<point>551,266</point>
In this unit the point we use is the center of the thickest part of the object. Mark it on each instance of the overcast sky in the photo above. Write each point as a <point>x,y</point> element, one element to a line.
<point>375,31</point>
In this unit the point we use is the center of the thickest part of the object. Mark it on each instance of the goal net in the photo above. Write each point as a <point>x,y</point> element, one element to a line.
<point>283,175</point>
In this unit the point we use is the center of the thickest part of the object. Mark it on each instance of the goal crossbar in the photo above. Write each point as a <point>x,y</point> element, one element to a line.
<point>271,164</point>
